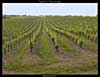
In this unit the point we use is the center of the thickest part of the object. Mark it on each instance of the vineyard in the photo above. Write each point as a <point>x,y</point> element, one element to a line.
<point>50,45</point>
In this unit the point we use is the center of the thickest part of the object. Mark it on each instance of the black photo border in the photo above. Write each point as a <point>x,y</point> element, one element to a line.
<point>48,1</point>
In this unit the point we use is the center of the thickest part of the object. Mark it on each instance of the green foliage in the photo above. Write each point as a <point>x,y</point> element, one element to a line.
<point>82,31</point>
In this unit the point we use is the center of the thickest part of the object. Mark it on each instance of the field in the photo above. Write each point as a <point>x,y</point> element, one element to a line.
<point>50,45</point>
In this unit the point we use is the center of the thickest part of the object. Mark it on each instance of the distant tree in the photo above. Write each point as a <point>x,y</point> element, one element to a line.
<point>24,15</point>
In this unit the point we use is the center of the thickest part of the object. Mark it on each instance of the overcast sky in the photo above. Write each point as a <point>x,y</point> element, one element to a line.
<point>84,9</point>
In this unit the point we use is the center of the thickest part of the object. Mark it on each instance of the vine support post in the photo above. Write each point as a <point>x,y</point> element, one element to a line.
<point>57,47</point>
<point>30,45</point>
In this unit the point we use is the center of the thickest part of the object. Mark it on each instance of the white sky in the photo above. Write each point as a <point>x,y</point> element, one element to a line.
<point>84,9</point>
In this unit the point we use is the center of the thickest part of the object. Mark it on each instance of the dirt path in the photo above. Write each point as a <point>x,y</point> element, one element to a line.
<point>70,58</point>
<point>8,58</point>
<point>81,50</point>
<point>59,56</point>
<point>27,58</point>
<point>36,45</point>
<point>32,58</point>
<point>13,50</point>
